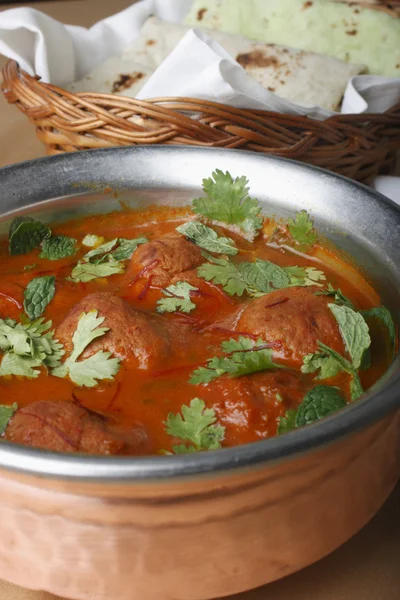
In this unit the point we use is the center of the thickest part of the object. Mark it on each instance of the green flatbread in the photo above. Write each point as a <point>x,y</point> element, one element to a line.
<point>351,33</point>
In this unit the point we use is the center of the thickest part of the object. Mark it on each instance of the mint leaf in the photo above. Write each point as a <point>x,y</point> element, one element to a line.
<point>318,403</point>
<point>85,271</point>
<point>302,230</point>
<point>127,247</point>
<point>337,295</point>
<point>207,238</point>
<point>104,249</point>
<point>6,412</point>
<point>222,271</point>
<point>242,357</point>
<point>177,298</point>
<point>26,234</point>
<point>99,366</point>
<point>382,314</point>
<point>354,331</point>
<point>38,294</point>
<point>118,249</point>
<point>288,422</point>
<point>196,425</point>
<point>57,247</point>
<point>305,276</point>
<point>262,277</point>
<point>227,201</point>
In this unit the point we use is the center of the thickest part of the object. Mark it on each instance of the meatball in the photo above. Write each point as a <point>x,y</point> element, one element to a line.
<point>138,338</point>
<point>292,320</point>
<point>66,427</point>
<point>161,259</point>
<point>249,406</point>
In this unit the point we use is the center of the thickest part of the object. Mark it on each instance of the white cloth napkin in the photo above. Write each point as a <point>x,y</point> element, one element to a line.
<point>198,66</point>
<point>62,53</point>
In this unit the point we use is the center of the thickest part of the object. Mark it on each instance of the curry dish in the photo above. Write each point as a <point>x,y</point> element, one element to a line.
<point>173,330</point>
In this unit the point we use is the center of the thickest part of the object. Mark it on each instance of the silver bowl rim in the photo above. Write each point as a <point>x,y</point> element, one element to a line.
<point>130,469</point>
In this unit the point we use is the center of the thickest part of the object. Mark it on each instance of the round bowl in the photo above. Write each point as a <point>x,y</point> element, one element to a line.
<point>210,524</point>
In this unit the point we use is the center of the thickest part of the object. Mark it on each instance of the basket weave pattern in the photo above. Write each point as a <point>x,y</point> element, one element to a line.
<point>358,146</point>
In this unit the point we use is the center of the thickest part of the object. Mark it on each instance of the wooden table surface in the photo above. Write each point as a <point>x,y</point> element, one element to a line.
<point>367,567</point>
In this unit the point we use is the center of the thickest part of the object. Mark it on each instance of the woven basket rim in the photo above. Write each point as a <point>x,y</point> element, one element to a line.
<point>356,145</point>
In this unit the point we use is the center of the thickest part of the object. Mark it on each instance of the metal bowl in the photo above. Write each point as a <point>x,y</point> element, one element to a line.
<point>209,524</point>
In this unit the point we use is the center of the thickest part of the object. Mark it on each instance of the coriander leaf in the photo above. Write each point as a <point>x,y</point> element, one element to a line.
<point>38,294</point>
<point>177,298</point>
<point>242,356</point>
<point>92,241</point>
<point>85,271</point>
<point>182,449</point>
<point>228,202</point>
<point>26,234</point>
<point>24,366</point>
<point>99,366</point>
<point>383,315</point>
<point>222,271</point>
<point>28,346</point>
<point>318,403</point>
<point>29,267</point>
<point>330,363</point>
<point>354,331</point>
<point>338,296</point>
<point>57,247</point>
<point>196,425</point>
<point>301,230</point>
<point>207,238</point>
<point>305,276</point>
<point>6,412</point>
<point>288,422</point>
<point>127,247</point>
<point>262,277</point>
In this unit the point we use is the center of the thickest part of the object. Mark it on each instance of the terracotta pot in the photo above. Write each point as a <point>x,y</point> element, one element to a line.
<point>207,525</point>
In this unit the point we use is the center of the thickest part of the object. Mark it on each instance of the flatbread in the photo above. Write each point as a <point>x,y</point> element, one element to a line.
<point>296,75</point>
<point>351,32</point>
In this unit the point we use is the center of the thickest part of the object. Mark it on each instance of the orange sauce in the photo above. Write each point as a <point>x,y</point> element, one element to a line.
<point>143,397</point>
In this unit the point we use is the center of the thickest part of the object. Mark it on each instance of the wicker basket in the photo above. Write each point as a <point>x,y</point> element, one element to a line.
<point>358,146</point>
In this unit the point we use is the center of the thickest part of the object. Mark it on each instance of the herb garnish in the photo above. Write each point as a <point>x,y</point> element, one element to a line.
<point>6,412</point>
<point>227,202</point>
<point>338,296</point>
<point>356,338</point>
<point>57,247</point>
<point>28,346</point>
<point>99,366</point>
<point>207,238</point>
<point>106,260</point>
<point>197,425</point>
<point>242,357</point>
<point>177,298</point>
<point>301,229</point>
<point>256,278</point>
<point>382,314</point>
<point>38,294</point>
<point>317,404</point>
<point>26,234</point>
